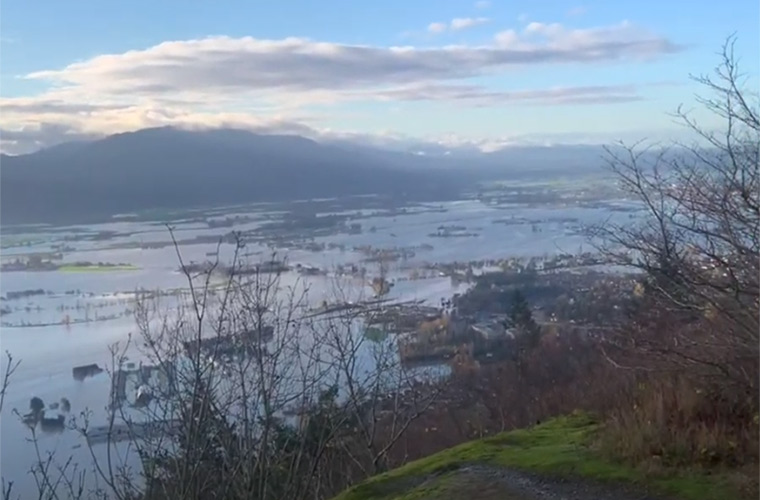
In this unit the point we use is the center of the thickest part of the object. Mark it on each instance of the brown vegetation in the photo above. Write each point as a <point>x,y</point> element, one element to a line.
<point>677,382</point>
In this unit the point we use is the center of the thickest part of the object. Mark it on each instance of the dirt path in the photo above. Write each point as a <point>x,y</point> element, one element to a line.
<point>480,482</point>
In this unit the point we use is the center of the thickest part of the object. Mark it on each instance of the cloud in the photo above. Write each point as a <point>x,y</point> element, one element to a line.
<point>507,38</point>
<point>48,105</point>
<point>463,23</point>
<point>455,142</point>
<point>30,138</point>
<point>269,84</point>
<point>189,69</point>
<point>477,96</point>
<point>576,11</point>
<point>482,4</point>
<point>457,24</point>
<point>605,42</point>
<point>51,130</point>
<point>442,144</point>
<point>48,123</point>
<point>437,27</point>
<point>47,135</point>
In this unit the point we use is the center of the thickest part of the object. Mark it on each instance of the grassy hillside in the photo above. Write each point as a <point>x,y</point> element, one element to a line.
<point>560,448</point>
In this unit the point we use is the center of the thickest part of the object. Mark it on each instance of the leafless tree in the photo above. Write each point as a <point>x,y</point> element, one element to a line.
<point>382,396</point>
<point>699,241</point>
<point>8,370</point>
<point>244,390</point>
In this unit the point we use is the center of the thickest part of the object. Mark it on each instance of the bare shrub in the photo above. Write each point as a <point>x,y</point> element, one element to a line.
<point>692,342</point>
<point>245,391</point>
<point>699,242</point>
<point>677,423</point>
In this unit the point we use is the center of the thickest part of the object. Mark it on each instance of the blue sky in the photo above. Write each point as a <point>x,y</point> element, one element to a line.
<point>481,73</point>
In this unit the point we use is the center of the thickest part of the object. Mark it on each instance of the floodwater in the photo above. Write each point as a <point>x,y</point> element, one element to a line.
<point>48,353</point>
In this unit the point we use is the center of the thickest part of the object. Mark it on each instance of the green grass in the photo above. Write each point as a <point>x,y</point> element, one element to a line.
<point>560,447</point>
<point>96,268</point>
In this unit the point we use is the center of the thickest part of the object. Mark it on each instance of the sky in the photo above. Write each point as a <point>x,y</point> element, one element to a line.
<point>485,74</point>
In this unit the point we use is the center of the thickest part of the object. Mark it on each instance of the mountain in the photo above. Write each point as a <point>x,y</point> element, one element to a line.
<point>173,168</point>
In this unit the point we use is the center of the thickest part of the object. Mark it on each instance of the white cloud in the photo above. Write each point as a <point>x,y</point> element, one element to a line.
<point>502,142</point>
<point>437,27</point>
<point>188,70</point>
<point>457,24</point>
<point>576,11</point>
<point>507,38</point>
<point>42,118</point>
<point>54,128</point>
<point>267,84</point>
<point>463,23</point>
<point>46,135</point>
<point>473,95</point>
<point>555,36</point>
<point>482,4</point>
<point>32,137</point>
<point>553,30</point>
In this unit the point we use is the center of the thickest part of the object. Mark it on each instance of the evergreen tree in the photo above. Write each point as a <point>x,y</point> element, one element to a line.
<point>521,318</point>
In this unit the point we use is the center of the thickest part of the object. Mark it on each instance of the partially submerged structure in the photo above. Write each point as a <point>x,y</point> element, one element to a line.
<point>141,382</point>
<point>82,372</point>
<point>246,343</point>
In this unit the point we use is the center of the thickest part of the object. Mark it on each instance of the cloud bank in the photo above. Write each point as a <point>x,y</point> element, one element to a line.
<point>271,84</point>
<point>457,24</point>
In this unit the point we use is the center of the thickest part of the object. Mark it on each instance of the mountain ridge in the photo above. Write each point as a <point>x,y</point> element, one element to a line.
<point>173,168</point>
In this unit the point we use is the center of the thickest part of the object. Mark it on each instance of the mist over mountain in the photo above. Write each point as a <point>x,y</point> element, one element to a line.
<point>174,168</point>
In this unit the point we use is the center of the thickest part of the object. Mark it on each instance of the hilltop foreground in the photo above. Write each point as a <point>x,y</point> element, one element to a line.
<point>554,460</point>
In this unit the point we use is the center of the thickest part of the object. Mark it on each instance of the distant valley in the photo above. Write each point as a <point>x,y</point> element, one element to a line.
<point>167,168</point>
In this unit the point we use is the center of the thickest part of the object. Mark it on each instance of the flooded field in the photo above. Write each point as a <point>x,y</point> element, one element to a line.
<point>69,292</point>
